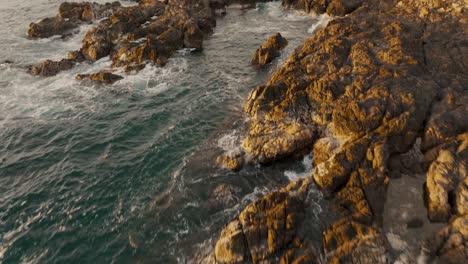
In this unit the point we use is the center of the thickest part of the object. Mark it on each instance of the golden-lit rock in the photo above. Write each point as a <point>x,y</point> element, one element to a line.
<point>269,50</point>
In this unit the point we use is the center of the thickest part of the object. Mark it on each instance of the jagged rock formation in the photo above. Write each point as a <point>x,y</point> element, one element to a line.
<point>359,93</point>
<point>70,15</point>
<point>269,50</point>
<point>267,230</point>
<point>149,32</point>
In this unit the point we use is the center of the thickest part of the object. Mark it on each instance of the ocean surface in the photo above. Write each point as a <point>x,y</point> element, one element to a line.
<point>125,173</point>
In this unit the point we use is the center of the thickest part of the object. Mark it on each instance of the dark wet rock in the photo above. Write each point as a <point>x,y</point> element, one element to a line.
<point>50,68</point>
<point>269,50</point>
<point>193,35</point>
<point>105,77</point>
<point>52,26</point>
<point>7,62</point>
<point>415,223</point>
<point>224,195</point>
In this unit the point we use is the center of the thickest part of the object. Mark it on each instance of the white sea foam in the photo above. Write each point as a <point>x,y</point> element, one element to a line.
<point>256,194</point>
<point>155,79</point>
<point>322,21</point>
<point>229,142</point>
<point>307,171</point>
<point>396,242</point>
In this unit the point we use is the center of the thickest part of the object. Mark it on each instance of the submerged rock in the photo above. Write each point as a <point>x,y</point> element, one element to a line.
<point>106,77</point>
<point>269,50</point>
<point>225,194</point>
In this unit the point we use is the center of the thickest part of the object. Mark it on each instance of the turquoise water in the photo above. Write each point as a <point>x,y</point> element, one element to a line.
<point>123,173</point>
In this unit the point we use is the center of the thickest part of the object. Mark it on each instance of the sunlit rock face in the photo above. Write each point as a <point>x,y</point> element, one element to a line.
<point>359,93</point>
<point>269,50</point>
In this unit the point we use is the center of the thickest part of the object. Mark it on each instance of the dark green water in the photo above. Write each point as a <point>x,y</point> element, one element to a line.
<point>123,173</point>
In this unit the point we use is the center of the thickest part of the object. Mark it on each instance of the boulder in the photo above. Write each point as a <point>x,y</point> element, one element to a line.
<point>50,68</point>
<point>105,77</point>
<point>232,160</point>
<point>52,26</point>
<point>232,246</point>
<point>96,44</point>
<point>269,50</point>
<point>266,228</point>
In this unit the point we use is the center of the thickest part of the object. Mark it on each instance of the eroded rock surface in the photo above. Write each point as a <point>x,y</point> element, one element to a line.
<point>269,50</point>
<point>268,229</point>
<point>359,93</point>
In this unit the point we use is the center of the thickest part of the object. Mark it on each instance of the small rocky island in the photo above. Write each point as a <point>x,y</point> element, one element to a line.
<point>383,79</point>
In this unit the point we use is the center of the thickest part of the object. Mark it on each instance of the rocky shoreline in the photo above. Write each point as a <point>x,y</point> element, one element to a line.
<point>149,32</point>
<point>380,77</point>
<point>382,81</point>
